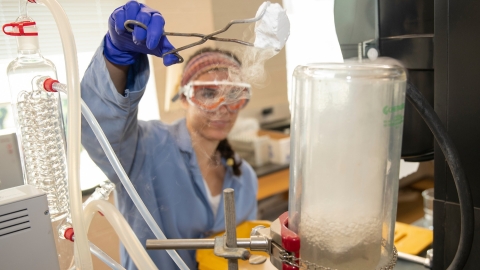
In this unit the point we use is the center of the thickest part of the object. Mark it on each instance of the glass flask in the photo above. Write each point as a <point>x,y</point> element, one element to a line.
<point>346,130</point>
<point>38,118</point>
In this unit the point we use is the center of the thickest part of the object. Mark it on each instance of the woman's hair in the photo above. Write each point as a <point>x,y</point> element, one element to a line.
<point>208,59</point>
<point>223,147</point>
<point>228,154</point>
<point>210,49</point>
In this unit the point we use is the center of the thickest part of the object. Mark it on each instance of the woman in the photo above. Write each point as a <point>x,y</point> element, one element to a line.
<point>179,170</point>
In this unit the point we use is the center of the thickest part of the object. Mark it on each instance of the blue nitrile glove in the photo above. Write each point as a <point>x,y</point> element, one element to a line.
<point>122,47</point>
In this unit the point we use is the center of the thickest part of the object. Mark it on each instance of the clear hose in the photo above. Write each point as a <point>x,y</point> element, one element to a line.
<point>83,259</point>
<point>105,258</point>
<point>102,193</point>
<point>137,252</point>
<point>127,184</point>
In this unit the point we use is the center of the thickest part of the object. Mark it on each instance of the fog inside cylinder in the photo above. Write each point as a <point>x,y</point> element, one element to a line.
<point>346,128</point>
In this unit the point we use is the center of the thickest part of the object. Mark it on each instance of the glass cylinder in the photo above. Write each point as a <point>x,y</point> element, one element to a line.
<point>346,134</point>
<point>39,120</point>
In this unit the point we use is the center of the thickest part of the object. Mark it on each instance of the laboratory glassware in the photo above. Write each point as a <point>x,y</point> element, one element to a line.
<point>428,197</point>
<point>347,122</point>
<point>38,118</point>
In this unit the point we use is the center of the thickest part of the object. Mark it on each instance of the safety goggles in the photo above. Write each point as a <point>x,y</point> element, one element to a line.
<point>210,96</point>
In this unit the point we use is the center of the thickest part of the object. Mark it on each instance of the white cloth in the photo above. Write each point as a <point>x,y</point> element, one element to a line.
<point>214,201</point>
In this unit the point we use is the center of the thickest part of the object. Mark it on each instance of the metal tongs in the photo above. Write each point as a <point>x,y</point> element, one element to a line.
<point>203,38</point>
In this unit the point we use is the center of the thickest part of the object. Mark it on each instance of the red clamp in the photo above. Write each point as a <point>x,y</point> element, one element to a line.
<point>69,234</point>
<point>290,241</point>
<point>48,84</point>
<point>19,26</point>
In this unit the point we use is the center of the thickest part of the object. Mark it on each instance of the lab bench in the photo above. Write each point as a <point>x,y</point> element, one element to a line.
<point>272,179</point>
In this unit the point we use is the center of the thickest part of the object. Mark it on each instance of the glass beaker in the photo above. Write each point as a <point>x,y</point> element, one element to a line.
<point>347,123</point>
<point>428,196</point>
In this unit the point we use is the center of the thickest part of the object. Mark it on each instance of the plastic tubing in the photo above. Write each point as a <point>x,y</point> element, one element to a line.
<point>137,252</point>
<point>127,184</point>
<point>83,259</point>
<point>105,258</point>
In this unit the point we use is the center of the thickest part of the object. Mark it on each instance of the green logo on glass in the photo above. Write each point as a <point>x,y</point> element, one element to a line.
<point>395,121</point>
<point>388,109</point>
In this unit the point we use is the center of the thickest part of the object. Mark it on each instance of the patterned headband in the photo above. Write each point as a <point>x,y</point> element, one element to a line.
<point>205,62</point>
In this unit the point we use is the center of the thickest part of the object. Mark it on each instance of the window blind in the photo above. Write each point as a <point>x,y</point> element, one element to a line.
<point>88,19</point>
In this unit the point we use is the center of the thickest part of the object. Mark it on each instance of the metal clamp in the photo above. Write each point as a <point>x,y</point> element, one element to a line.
<point>227,246</point>
<point>139,24</point>
<point>221,250</point>
<point>203,37</point>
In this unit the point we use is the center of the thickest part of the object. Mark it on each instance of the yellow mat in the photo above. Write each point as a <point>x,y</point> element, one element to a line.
<point>208,261</point>
<point>412,239</point>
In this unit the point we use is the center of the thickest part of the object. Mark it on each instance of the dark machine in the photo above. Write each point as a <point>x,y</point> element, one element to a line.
<point>437,41</point>
<point>456,99</point>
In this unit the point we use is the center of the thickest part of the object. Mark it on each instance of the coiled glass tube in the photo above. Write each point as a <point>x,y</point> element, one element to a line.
<point>43,143</point>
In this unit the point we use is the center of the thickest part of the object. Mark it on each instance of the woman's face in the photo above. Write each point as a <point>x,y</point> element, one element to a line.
<point>210,125</point>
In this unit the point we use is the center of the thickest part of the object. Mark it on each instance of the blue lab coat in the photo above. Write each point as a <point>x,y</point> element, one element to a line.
<point>161,164</point>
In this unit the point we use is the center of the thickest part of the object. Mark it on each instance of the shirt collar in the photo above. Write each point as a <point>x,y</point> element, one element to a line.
<point>182,136</point>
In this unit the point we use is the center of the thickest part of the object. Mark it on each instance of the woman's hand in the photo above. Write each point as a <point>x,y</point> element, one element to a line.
<point>122,47</point>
